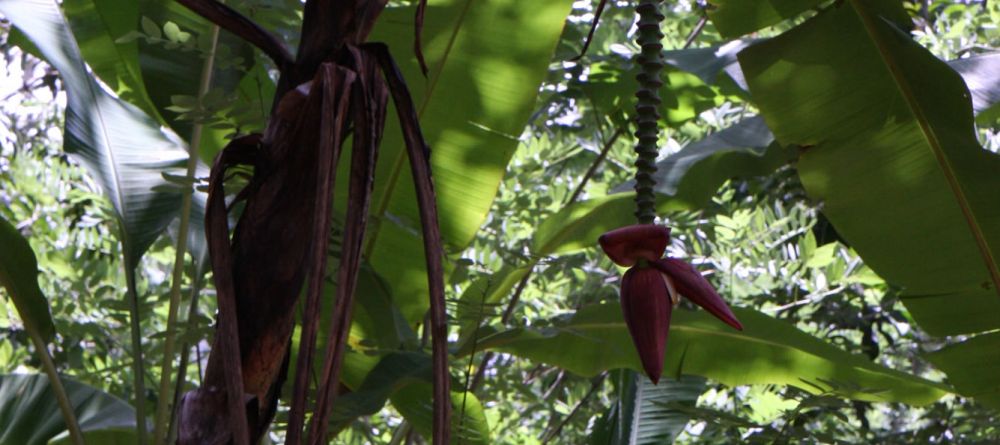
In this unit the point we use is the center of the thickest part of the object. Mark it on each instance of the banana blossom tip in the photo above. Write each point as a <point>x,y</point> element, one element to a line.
<point>653,285</point>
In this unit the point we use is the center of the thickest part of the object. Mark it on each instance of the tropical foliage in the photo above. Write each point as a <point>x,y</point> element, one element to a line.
<point>829,167</point>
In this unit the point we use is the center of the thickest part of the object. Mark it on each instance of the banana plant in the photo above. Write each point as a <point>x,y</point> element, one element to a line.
<point>331,90</point>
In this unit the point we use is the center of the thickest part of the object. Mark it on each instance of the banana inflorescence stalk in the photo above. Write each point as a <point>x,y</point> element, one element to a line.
<point>650,63</point>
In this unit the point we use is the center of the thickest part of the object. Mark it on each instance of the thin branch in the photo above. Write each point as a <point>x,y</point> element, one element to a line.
<point>62,398</point>
<point>809,299</point>
<point>185,357</point>
<point>160,424</point>
<point>593,27</point>
<point>597,162</point>
<point>698,28</point>
<point>234,22</point>
<point>593,389</point>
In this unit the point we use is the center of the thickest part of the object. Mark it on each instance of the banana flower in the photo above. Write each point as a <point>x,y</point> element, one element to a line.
<point>653,285</point>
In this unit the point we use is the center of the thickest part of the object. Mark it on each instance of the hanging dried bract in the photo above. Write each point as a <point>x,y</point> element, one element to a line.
<point>337,85</point>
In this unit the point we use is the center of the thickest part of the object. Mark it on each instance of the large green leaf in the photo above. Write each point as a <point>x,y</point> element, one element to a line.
<point>734,18</point>
<point>980,72</point>
<point>29,415</point>
<point>19,275</point>
<point>893,156</point>
<point>642,415</point>
<point>487,61</point>
<point>767,351</point>
<point>123,148</point>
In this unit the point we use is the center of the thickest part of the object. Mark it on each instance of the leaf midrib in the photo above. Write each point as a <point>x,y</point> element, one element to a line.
<point>102,125</point>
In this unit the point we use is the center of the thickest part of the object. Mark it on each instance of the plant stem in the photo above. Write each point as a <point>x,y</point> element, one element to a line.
<point>695,32</point>
<point>60,391</point>
<point>162,405</point>
<point>182,368</point>
<point>138,368</point>
<point>650,62</point>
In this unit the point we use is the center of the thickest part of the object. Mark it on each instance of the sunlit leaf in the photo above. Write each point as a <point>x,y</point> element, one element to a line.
<point>893,156</point>
<point>767,351</point>
<point>473,106</point>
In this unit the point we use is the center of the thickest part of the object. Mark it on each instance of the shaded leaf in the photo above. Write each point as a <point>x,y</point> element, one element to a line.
<point>709,63</point>
<point>971,367</point>
<point>982,77</point>
<point>414,403</point>
<point>19,275</point>
<point>744,144</point>
<point>29,414</point>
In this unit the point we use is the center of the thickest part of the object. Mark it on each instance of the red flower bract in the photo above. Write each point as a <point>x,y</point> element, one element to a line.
<point>696,288</point>
<point>649,288</point>
<point>627,245</point>
<point>646,305</point>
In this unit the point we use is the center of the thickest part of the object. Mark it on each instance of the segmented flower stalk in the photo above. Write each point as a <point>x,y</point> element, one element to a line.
<point>650,62</point>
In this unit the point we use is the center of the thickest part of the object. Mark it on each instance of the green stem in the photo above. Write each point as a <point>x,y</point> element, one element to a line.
<point>60,391</point>
<point>163,403</point>
<point>182,368</point>
<point>650,62</point>
<point>138,368</point>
